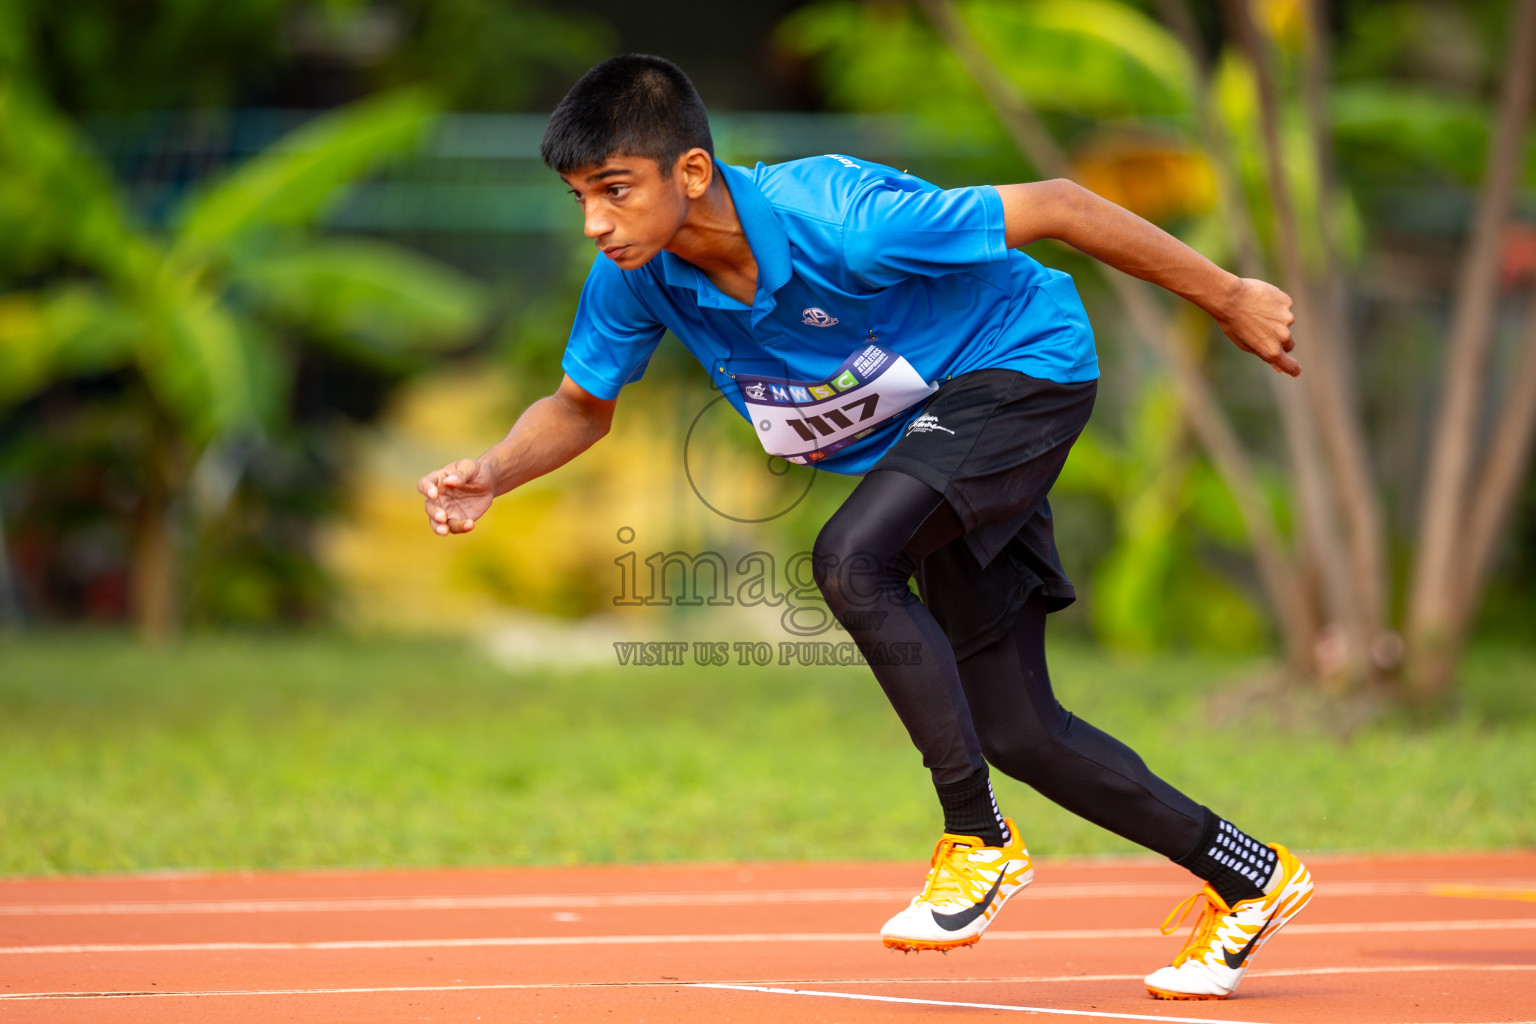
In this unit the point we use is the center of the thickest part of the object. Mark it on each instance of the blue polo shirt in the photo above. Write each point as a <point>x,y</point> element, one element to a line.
<point>847,253</point>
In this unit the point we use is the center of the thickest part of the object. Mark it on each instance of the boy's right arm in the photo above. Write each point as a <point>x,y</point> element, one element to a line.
<point>549,433</point>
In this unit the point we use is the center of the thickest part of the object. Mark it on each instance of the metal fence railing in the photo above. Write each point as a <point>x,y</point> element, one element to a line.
<point>476,173</point>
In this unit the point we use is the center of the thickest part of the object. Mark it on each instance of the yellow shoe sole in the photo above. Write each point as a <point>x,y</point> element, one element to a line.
<point>1162,993</point>
<point>919,945</point>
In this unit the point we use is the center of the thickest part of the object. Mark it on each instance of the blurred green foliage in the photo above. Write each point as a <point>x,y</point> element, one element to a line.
<point>192,312</point>
<point>1151,589</point>
<point>1086,59</point>
<point>209,359</point>
<point>204,324</point>
<point>489,54</point>
<point>1409,108</point>
<point>191,373</point>
<point>133,55</point>
<point>137,54</point>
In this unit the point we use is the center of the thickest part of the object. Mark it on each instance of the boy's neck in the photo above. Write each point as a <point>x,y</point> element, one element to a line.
<point>713,240</point>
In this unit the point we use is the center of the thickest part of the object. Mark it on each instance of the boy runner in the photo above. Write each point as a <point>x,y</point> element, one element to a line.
<point>867,322</point>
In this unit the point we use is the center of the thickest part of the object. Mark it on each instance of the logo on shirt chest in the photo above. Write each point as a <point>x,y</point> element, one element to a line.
<point>817,317</point>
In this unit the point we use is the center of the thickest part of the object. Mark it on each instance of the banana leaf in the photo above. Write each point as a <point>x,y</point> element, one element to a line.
<point>297,180</point>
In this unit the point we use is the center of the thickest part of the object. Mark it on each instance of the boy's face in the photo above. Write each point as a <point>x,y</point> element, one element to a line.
<point>630,210</point>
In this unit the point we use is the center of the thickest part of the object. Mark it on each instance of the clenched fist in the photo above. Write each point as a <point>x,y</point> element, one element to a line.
<point>457,496</point>
<point>1258,319</point>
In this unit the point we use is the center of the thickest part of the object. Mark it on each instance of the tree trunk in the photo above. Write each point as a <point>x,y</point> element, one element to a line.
<point>10,605</point>
<point>1363,617</point>
<point>1318,548</point>
<point>1508,456</point>
<point>1437,614</point>
<point>153,584</point>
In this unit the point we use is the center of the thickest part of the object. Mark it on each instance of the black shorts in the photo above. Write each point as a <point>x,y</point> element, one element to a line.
<point>993,442</point>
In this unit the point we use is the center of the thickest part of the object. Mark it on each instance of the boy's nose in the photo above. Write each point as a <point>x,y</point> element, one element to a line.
<point>596,224</point>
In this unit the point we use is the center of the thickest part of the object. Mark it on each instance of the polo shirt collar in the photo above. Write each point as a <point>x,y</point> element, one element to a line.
<point>765,236</point>
<point>770,246</point>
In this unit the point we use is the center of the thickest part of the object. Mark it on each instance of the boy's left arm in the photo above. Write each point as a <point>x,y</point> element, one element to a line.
<point>1254,314</point>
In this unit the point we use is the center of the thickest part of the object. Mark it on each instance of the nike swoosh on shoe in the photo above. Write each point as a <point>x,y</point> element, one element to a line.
<point>954,922</point>
<point>1235,960</point>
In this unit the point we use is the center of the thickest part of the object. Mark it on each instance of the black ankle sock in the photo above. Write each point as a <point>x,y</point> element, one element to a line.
<point>970,809</point>
<point>1236,864</point>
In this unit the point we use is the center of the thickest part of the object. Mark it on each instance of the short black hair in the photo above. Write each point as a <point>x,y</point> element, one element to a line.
<point>636,104</point>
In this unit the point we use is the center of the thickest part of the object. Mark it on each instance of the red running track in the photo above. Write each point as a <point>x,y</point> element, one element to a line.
<point>1397,940</point>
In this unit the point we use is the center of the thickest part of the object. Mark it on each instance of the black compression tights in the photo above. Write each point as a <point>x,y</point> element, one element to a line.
<point>997,704</point>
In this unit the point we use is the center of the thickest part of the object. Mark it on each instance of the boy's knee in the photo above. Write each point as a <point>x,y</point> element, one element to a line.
<point>826,553</point>
<point>848,570</point>
<point>829,555</point>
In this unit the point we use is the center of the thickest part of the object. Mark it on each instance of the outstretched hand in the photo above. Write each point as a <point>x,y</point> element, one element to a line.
<point>457,496</point>
<point>1258,320</point>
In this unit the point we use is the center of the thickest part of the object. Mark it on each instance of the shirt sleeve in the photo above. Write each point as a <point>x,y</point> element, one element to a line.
<point>891,233</point>
<point>613,335</point>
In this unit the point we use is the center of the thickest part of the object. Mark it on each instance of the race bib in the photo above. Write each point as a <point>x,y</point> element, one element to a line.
<point>804,422</point>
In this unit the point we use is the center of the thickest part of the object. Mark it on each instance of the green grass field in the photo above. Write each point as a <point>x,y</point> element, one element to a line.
<point>301,750</point>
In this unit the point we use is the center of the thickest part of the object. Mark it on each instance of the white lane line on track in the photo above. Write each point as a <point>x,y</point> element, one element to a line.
<point>569,901</point>
<point>864,997</point>
<point>1093,1014</point>
<point>1093,934</point>
<point>556,986</point>
<point>730,898</point>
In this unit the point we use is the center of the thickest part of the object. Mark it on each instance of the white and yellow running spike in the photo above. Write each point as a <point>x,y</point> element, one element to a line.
<point>1224,939</point>
<point>968,882</point>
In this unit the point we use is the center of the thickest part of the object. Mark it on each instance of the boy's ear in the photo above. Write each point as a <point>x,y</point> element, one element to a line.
<point>697,170</point>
